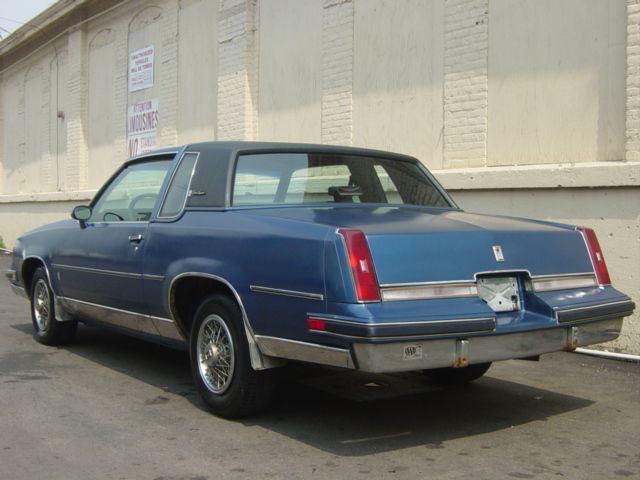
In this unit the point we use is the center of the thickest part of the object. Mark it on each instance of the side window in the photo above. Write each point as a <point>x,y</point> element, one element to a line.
<point>132,195</point>
<point>179,188</point>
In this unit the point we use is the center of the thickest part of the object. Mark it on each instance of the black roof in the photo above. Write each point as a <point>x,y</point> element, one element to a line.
<point>229,148</point>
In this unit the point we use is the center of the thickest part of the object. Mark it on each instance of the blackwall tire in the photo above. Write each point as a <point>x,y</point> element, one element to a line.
<point>48,330</point>
<point>220,362</point>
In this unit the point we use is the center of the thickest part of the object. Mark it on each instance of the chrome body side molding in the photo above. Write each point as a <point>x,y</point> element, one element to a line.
<point>305,352</point>
<point>99,271</point>
<point>286,293</point>
<point>113,273</point>
<point>118,317</point>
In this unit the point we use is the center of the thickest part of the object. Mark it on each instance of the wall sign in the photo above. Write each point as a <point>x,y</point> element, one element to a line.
<point>142,126</point>
<point>141,69</point>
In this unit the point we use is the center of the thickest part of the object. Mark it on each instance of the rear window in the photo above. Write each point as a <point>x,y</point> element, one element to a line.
<point>300,178</point>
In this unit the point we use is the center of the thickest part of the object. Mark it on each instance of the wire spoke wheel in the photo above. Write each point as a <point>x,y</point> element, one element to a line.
<point>216,354</point>
<point>41,305</point>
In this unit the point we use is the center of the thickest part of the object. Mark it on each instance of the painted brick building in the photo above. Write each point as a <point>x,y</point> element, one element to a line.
<point>520,107</point>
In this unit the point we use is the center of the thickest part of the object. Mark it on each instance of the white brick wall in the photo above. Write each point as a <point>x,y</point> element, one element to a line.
<point>76,172</point>
<point>466,39</point>
<point>168,135</point>
<point>633,81</point>
<point>238,70</point>
<point>337,72</point>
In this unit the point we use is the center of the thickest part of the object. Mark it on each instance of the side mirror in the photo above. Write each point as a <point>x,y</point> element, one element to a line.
<point>82,213</point>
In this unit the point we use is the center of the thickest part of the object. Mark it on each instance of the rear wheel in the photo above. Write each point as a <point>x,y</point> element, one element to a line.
<point>221,364</point>
<point>457,376</point>
<point>47,330</point>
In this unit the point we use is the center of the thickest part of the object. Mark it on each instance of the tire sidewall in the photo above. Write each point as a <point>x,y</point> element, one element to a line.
<point>230,314</point>
<point>42,335</point>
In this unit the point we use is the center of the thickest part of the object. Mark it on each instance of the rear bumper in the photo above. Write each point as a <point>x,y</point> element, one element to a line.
<point>390,357</point>
<point>447,352</point>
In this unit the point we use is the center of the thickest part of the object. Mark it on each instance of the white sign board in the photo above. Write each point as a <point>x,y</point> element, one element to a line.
<point>141,69</point>
<point>142,126</point>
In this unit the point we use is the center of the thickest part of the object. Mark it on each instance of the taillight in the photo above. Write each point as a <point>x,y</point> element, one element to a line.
<point>364,276</point>
<point>595,252</point>
<point>316,324</point>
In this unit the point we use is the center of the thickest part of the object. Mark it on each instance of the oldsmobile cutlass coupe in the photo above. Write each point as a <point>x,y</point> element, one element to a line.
<point>255,254</point>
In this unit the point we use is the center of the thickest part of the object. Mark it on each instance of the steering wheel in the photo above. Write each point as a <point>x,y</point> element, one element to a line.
<point>107,217</point>
<point>135,200</point>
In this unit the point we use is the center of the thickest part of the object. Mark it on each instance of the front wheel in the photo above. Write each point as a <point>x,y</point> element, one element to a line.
<point>220,361</point>
<point>457,376</point>
<point>47,330</point>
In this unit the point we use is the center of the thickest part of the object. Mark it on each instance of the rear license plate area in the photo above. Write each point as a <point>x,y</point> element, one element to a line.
<point>502,294</point>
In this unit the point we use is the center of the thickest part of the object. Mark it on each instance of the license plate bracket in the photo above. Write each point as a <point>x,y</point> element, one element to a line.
<point>502,294</point>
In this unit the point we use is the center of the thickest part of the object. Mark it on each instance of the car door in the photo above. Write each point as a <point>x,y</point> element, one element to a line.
<point>100,266</point>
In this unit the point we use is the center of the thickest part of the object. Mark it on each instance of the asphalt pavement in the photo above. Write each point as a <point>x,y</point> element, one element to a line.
<point>108,406</point>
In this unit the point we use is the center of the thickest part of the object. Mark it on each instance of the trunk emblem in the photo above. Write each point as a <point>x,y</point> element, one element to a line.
<point>497,252</point>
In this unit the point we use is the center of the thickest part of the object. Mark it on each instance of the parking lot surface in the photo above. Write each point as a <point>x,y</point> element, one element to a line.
<point>108,406</point>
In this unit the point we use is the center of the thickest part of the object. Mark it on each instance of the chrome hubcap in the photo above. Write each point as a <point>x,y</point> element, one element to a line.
<point>216,358</point>
<point>41,302</point>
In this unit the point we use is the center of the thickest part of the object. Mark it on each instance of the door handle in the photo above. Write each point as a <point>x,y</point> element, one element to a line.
<point>136,238</point>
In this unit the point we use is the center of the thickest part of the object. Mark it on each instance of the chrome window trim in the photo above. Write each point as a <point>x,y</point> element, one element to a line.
<point>153,154</point>
<point>166,192</point>
<point>286,293</point>
<point>117,222</point>
<point>105,187</point>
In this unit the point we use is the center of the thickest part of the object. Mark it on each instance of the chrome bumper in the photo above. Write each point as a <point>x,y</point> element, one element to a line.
<point>452,352</point>
<point>389,357</point>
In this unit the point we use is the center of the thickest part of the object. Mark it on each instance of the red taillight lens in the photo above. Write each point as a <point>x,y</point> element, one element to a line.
<point>364,276</point>
<point>316,324</point>
<point>595,252</point>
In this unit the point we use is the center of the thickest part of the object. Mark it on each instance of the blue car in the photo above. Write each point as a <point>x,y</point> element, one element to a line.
<point>257,254</point>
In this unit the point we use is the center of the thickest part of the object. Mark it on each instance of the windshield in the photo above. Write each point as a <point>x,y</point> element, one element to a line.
<point>299,178</point>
